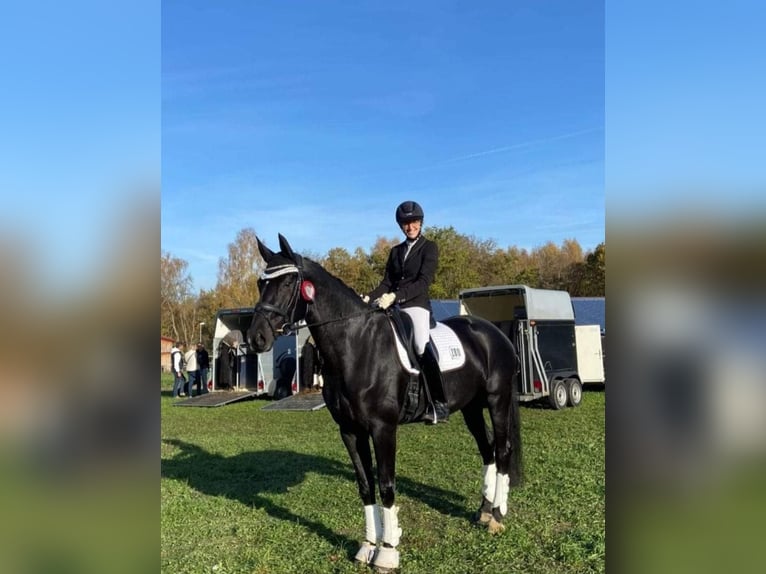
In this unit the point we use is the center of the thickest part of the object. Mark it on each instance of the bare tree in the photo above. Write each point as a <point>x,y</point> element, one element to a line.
<point>238,272</point>
<point>175,297</point>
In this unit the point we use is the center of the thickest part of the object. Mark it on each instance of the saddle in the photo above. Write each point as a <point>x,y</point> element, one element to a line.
<point>418,389</point>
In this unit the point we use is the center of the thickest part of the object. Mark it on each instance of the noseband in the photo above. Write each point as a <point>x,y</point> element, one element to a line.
<point>292,307</point>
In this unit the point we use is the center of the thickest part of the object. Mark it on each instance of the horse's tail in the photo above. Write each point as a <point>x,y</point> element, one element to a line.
<point>516,468</point>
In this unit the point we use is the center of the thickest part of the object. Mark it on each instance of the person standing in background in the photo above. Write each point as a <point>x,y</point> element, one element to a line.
<point>191,369</point>
<point>177,366</point>
<point>203,364</point>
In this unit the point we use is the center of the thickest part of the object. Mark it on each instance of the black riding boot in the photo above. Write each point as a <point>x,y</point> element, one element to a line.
<point>430,368</point>
<point>442,413</point>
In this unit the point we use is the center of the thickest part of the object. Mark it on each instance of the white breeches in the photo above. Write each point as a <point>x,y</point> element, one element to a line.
<point>421,326</point>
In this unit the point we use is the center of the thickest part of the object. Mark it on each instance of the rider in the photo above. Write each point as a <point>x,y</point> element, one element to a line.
<point>409,273</point>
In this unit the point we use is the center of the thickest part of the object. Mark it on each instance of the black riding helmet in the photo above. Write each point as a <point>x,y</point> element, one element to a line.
<point>408,211</point>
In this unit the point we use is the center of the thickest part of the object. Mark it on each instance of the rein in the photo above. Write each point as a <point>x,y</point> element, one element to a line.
<point>291,325</point>
<point>286,329</point>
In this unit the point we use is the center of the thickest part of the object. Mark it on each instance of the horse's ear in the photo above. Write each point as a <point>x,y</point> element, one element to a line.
<point>287,251</point>
<point>266,253</point>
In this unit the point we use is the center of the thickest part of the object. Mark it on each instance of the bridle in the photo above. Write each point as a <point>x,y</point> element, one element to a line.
<point>289,314</point>
<point>303,292</point>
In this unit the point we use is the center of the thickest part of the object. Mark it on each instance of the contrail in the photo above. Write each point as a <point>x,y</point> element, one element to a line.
<point>522,145</point>
<point>446,162</point>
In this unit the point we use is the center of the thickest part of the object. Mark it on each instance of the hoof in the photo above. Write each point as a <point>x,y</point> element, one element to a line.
<point>484,514</point>
<point>386,560</point>
<point>366,553</point>
<point>482,518</point>
<point>494,526</point>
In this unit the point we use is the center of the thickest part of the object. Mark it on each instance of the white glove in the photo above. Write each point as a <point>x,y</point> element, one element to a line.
<point>385,300</point>
<point>365,298</point>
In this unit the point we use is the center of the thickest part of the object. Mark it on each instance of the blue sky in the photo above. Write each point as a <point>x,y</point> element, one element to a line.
<point>315,119</point>
<point>685,91</point>
<point>317,122</point>
<point>80,129</point>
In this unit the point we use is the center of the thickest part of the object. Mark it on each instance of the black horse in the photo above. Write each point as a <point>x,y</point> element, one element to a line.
<point>365,386</point>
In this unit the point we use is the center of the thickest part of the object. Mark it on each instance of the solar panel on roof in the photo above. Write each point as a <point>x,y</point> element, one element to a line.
<point>590,311</point>
<point>444,308</point>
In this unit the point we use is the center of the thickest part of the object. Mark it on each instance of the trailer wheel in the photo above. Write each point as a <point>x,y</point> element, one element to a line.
<point>574,392</point>
<point>558,396</point>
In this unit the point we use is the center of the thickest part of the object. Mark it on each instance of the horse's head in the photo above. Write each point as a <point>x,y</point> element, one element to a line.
<point>284,295</point>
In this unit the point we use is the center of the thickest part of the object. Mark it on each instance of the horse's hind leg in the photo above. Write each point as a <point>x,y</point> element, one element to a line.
<point>474,420</point>
<point>358,446</point>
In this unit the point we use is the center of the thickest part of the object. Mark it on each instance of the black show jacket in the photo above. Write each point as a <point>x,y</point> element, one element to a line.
<point>410,279</point>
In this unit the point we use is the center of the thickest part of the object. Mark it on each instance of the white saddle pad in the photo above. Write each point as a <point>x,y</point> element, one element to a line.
<point>451,354</point>
<point>449,347</point>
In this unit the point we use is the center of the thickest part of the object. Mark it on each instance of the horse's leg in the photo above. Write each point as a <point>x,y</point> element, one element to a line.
<point>473,414</point>
<point>384,440</point>
<point>500,413</point>
<point>358,446</point>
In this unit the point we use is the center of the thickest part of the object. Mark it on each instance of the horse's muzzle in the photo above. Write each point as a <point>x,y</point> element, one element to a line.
<point>260,336</point>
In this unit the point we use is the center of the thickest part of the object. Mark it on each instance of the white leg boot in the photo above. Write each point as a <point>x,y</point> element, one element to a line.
<point>366,552</point>
<point>388,556</point>
<point>488,494</point>
<point>373,532</point>
<point>490,479</point>
<point>500,502</point>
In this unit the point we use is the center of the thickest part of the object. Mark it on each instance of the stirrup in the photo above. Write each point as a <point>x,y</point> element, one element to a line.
<point>441,414</point>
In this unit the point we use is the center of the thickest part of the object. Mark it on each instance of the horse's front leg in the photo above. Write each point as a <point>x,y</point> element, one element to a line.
<point>384,439</point>
<point>358,446</point>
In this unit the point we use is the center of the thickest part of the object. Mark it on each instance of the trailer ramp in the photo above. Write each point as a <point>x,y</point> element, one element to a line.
<point>216,399</point>
<point>301,402</point>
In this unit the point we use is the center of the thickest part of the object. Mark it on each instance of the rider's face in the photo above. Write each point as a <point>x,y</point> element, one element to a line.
<point>412,228</point>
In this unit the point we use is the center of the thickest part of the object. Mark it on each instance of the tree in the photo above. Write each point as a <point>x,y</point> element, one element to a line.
<point>458,262</point>
<point>379,257</point>
<point>238,273</point>
<point>355,271</point>
<point>175,294</point>
<point>208,305</point>
<point>593,279</point>
<point>464,262</point>
<point>556,267</point>
<point>503,267</point>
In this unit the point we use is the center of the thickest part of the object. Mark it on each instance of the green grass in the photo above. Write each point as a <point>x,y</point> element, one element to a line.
<point>248,491</point>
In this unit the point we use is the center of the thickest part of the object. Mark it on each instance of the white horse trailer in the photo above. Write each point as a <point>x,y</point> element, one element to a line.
<point>557,357</point>
<point>236,367</point>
